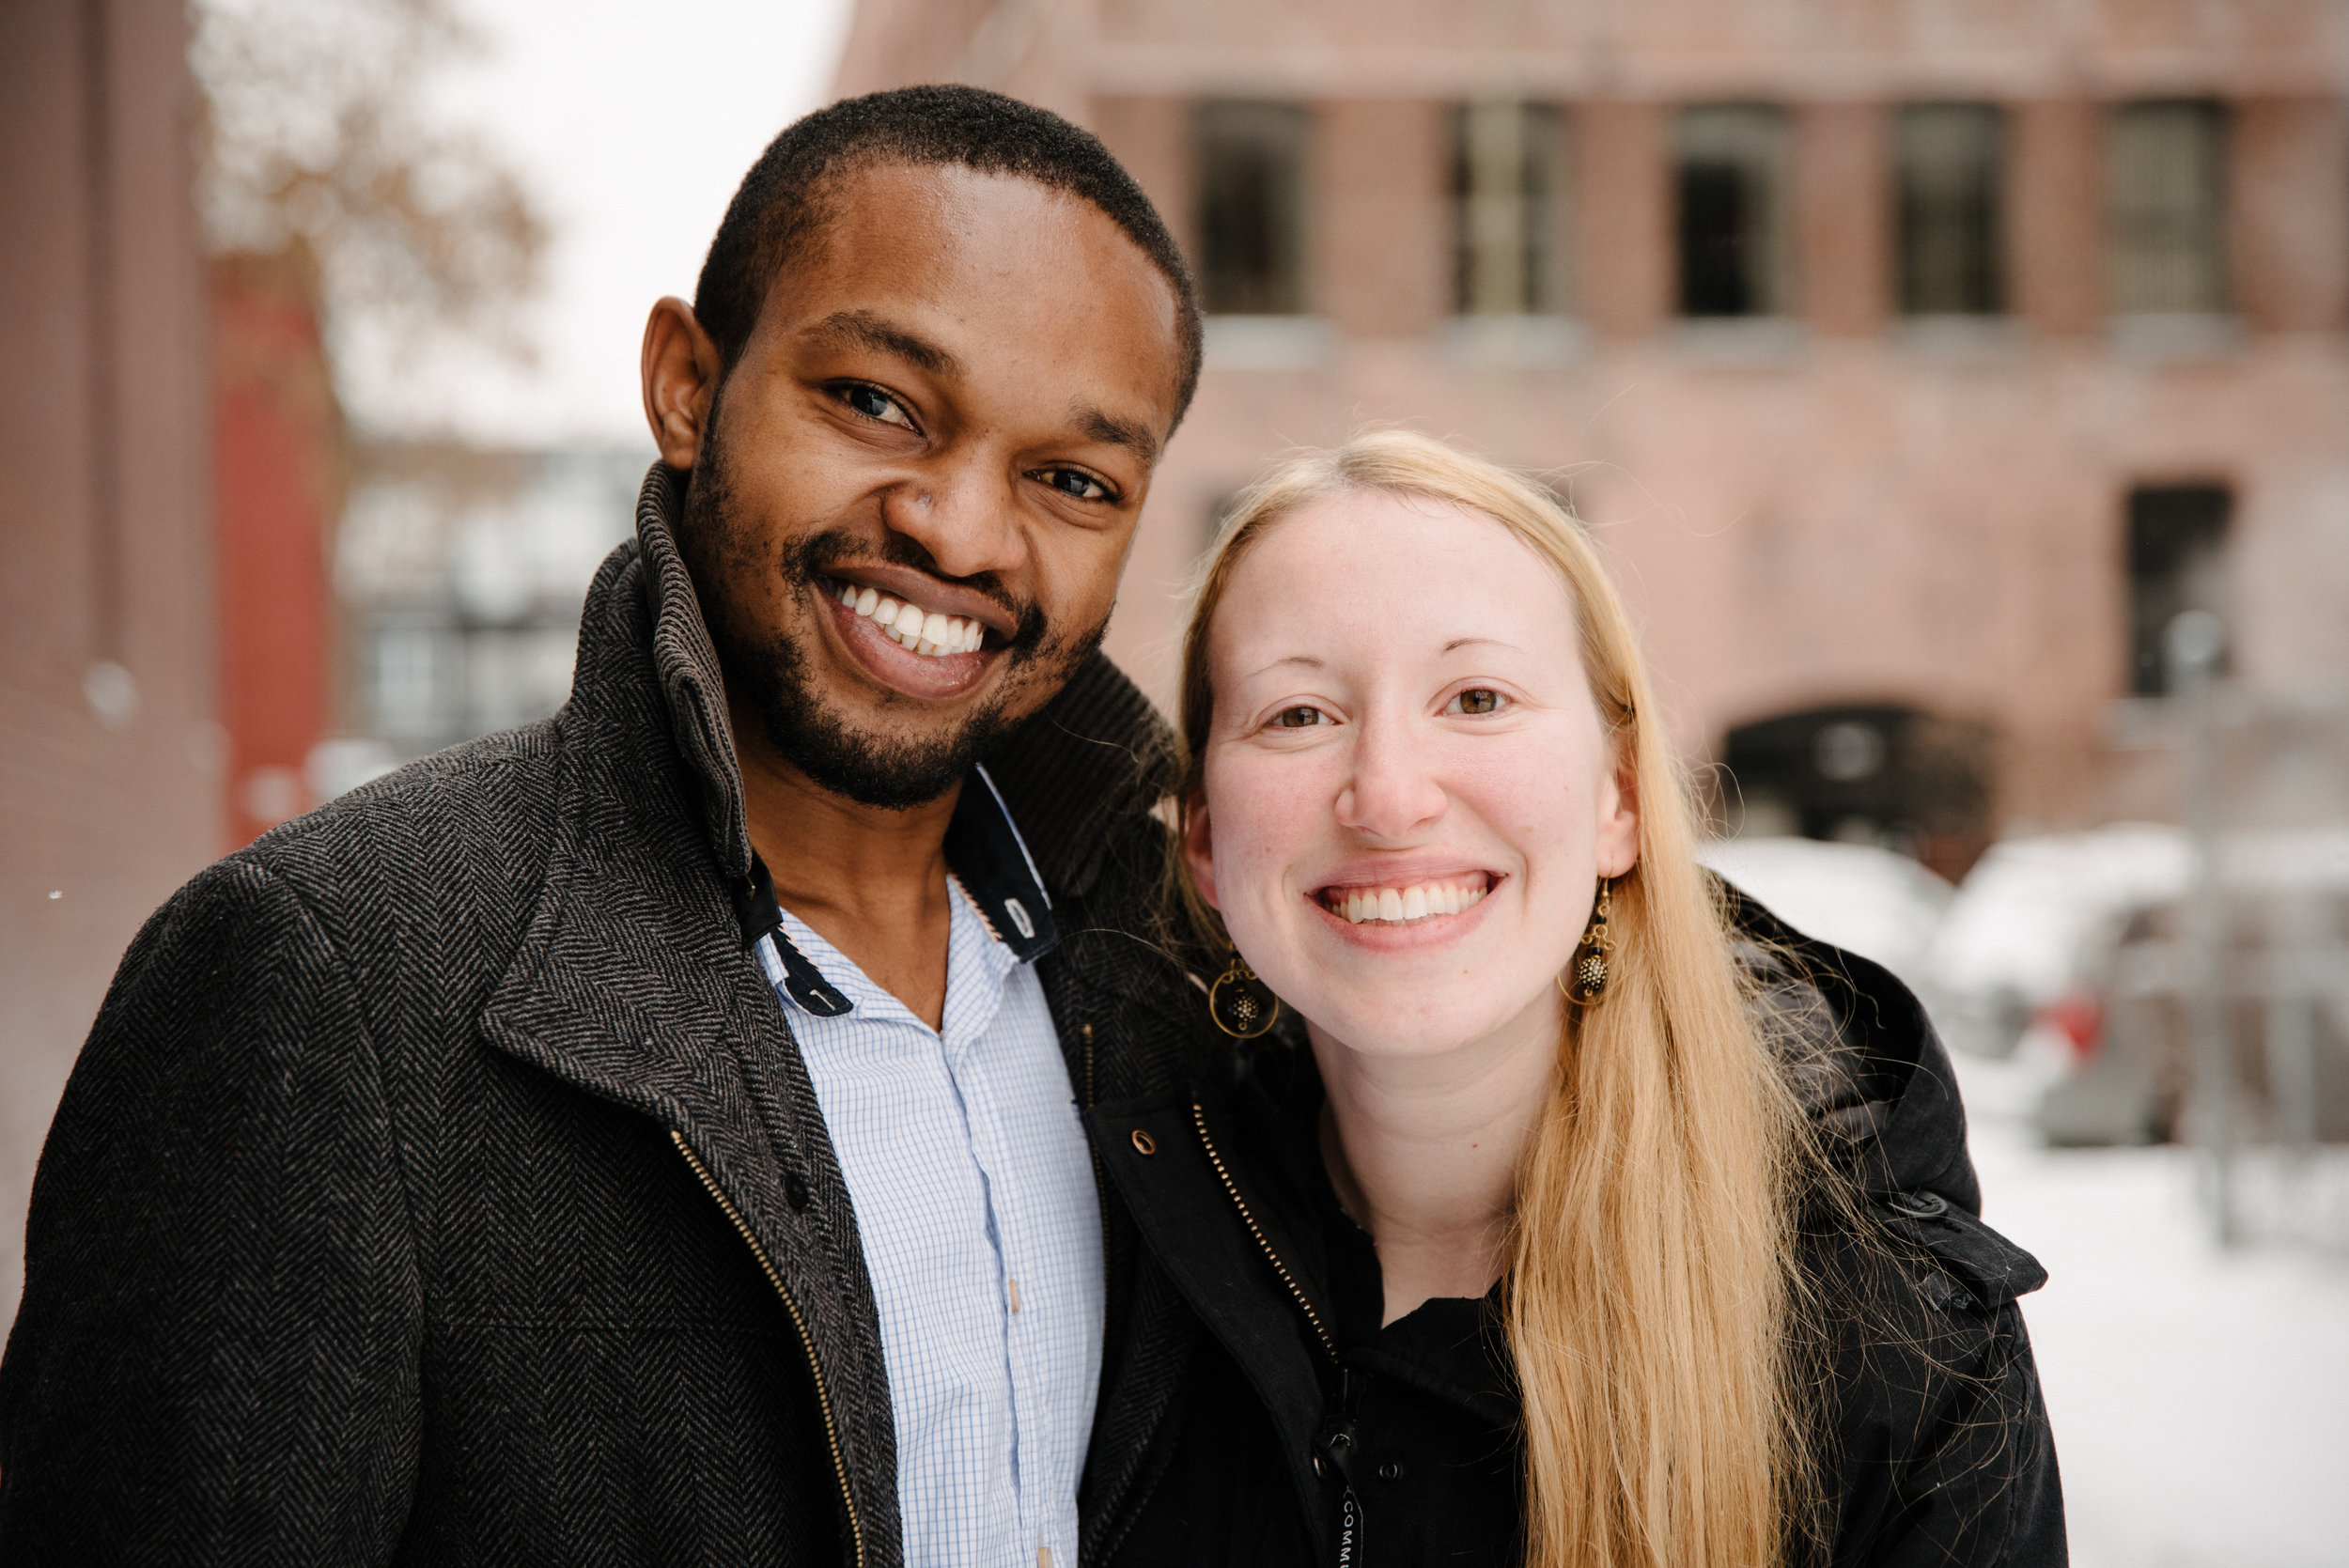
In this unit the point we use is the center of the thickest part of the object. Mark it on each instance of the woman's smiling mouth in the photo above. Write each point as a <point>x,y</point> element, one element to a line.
<point>1408,903</point>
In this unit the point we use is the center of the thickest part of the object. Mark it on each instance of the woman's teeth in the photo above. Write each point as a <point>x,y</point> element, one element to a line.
<point>1402,906</point>
<point>925,632</point>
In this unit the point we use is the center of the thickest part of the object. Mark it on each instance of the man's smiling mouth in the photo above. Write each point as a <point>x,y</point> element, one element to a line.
<point>1407,904</point>
<point>928,632</point>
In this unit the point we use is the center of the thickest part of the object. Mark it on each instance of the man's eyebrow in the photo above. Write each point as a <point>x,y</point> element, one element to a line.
<point>1136,438</point>
<point>866,330</point>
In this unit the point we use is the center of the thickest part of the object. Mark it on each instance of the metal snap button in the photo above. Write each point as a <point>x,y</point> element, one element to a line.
<point>1144,1144</point>
<point>1391,1471</point>
<point>1920,1204</point>
<point>1321,1466</point>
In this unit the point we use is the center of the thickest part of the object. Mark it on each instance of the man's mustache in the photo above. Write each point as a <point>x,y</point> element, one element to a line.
<point>837,549</point>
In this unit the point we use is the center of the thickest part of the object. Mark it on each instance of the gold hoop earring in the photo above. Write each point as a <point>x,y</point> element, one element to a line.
<point>1590,967</point>
<point>1241,1005</point>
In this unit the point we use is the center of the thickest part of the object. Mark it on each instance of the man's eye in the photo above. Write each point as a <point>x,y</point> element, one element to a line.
<point>1076,483</point>
<point>1300,717</point>
<point>873,403</point>
<point>1476,699</point>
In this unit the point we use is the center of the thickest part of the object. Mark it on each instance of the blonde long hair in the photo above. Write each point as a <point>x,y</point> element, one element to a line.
<point>1652,1275</point>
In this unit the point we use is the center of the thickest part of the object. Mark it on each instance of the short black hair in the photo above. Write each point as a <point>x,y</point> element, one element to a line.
<point>780,203</point>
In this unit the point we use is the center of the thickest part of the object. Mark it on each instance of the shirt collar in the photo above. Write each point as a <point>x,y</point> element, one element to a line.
<point>988,856</point>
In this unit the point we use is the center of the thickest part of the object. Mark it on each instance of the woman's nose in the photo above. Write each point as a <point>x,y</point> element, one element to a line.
<point>1394,790</point>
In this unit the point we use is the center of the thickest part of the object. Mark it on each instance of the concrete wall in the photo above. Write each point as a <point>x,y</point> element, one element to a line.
<point>109,756</point>
<point>1848,510</point>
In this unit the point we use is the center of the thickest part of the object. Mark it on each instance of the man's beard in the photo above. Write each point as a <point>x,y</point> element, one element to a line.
<point>888,774</point>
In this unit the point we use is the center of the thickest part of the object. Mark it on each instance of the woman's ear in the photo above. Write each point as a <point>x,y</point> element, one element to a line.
<point>1618,815</point>
<point>1199,848</point>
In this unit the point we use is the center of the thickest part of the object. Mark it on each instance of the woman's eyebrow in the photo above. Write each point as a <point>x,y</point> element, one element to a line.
<point>1487,642</point>
<point>1306,659</point>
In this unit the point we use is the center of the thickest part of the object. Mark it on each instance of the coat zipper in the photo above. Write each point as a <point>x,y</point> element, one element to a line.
<point>1199,1115</point>
<point>1349,1541</point>
<point>823,1398</point>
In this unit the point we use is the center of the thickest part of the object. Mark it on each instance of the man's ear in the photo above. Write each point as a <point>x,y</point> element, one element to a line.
<point>680,369</point>
<point>1199,848</point>
<point>1619,814</point>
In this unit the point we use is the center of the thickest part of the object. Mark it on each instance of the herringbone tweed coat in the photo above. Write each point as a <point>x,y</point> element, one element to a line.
<point>441,1183</point>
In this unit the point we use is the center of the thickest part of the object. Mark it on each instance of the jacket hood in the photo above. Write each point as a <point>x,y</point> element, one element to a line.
<point>1864,1059</point>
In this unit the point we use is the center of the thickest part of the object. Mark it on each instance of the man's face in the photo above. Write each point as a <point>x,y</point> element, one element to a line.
<point>951,405</point>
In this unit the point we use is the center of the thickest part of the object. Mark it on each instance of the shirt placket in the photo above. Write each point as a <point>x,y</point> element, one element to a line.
<point>968,1019</point>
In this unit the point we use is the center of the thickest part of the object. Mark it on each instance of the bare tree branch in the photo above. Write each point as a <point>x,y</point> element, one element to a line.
<point>314,141</point>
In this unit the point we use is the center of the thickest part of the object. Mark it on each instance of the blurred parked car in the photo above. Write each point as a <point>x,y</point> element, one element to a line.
<point>2070,946</point>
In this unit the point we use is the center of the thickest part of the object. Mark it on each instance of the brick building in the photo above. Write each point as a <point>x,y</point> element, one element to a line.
<point>111,761</point>
<point>1914,362</point>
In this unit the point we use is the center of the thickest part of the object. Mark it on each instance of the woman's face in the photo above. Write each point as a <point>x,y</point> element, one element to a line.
<point>1409,795</point>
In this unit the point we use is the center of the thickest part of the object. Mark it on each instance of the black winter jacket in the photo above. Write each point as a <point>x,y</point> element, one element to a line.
<point>1307,1433</point>
<point>441,1183</point>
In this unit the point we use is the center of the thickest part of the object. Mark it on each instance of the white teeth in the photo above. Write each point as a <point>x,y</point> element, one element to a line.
<point>1400,905</point>
<point>928,632</point>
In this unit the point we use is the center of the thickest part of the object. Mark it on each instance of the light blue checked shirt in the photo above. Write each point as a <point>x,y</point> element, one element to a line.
<point>973,1190</point>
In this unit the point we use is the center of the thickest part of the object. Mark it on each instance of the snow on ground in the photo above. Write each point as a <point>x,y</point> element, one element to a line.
<point>2200,1397</point>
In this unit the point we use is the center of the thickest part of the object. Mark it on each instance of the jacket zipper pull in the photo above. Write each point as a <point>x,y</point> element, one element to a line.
<point>1333,1455</point>
<point>1349,1530</point>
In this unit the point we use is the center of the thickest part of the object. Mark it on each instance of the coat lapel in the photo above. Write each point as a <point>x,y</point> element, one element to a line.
<point>632,984</point>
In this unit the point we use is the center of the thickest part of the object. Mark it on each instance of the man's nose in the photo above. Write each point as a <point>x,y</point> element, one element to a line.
<point>964,514</point>
<point>1393,790</point>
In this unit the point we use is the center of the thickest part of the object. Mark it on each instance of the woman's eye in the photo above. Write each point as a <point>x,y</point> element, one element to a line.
<point>1477,699</point>
<point>1077,483</point>
<point>873,403</point>
<point>1301,717</point>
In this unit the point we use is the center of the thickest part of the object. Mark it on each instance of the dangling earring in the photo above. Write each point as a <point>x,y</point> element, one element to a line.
<point>1240,1003</point>
<point>1590,966</point>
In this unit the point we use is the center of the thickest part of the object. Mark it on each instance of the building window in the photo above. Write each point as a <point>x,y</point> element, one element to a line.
<point>1505,165</point>
<point>413,676</point>
<point>1950,158</point>
<point>2167,172</point>
<point>1733,228</point>
<point>2177,561</point>
<point>1252,198</point>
